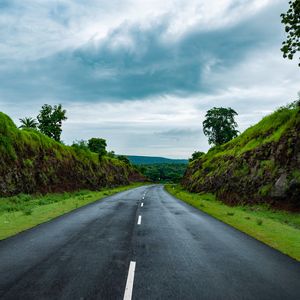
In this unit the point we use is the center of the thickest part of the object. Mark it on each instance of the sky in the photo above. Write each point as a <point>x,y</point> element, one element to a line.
<point>142,73</point>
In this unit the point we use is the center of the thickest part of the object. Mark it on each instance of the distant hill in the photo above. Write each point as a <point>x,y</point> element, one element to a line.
<point>147,160</point>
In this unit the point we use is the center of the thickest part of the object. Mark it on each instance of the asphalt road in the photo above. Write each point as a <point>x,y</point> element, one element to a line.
<point>178,253</point>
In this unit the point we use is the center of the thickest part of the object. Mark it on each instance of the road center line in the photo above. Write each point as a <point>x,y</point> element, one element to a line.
<point>139,220</point>
<point>142,204</point>
<point>129,282</point>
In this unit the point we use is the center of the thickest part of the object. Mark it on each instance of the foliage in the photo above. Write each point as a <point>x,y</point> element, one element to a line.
<point>246,169</point>
<point>97,145</point>
<point>32,162</point>
<point>291,20</point>
<point>124,159</point>
<point>111,154</point>
<point>28,123</point>
<point>163,172</point>
<point>196,155</point>
<point>220,125</point>
<point>81,144</point>
<point>278,229</point>
<point>50,120</point>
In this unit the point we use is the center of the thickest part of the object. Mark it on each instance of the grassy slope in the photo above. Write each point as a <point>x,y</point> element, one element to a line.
<point>22,212</point>
<point>278,229</point>
<point>246,168</point>
<point>31,162</point>
<point>269,129</point>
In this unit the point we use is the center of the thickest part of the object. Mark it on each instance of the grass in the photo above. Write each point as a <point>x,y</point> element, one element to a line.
<point>22,212</point>
<point>41,163</point>
<point>278,229</point>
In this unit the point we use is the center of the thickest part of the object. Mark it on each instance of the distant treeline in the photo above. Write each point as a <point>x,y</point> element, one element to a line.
<point>163,172</point>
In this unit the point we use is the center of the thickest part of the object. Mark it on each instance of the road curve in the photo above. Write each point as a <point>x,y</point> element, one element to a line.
<point>176,251</point>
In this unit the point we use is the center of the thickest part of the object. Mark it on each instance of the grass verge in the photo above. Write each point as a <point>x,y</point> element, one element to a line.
<point>22,212</point>
<point>278,229</point>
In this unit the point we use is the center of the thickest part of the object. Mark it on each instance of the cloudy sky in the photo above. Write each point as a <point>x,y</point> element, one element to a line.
<point>142,73</point>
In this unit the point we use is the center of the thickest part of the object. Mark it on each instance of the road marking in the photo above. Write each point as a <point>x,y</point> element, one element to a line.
<point>129,282</point>
<point>139,220</point>
<point>142,204</point>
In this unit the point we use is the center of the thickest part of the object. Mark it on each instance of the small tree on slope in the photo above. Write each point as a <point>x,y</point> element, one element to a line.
<point>220,125</point>
<point>50,120</point>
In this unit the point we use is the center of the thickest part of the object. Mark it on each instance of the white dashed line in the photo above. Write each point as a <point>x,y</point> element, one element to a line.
<point>130,280</point>
<point>139,220</point>
<point>142,204</point>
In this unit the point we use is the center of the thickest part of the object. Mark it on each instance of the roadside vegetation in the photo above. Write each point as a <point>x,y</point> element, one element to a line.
<point>261,165</point>
<point>276,228</point>
<point>23,211</point>
<point>32,162</point>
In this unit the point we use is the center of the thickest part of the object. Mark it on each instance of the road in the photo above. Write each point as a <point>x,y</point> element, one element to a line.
<point>176,251</point>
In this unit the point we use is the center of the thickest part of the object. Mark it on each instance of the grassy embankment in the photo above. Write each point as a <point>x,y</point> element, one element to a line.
<point>278,229</point>
<point>22,212</point>
<point>31,162</point>
<point>248,168</point>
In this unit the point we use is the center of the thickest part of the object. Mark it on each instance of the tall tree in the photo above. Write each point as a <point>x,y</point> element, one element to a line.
<point>220,125</point>
<point>50,120</point>
<point>97,145</point>
<point>28,123</point>
<point>291,20</point>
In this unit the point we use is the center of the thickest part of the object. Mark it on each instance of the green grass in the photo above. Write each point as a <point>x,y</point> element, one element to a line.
<point>278,229</point>
<point>22,212</point>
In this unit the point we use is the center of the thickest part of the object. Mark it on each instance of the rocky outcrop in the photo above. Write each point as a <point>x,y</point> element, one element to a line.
<point>260,166</point>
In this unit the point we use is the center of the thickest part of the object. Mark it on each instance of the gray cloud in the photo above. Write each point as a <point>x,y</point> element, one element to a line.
<point>150,66</point>
<point>139,86</point>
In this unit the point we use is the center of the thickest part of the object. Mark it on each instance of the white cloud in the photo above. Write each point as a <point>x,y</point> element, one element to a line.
<point>169,124</point>
<point>31,30</point>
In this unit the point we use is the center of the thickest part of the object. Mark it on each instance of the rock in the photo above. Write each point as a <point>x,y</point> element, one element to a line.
<point>280,187</point>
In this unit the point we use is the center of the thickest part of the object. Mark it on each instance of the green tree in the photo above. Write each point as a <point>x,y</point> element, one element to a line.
<point>111,154</point>
<point>50,120</point>
<point>291,20</point>
<point>28,123</point>
<point>124,159</point>
<point>81,144</point>
<point>97,145</point>
<point>220,125</point>
<point>196,155</point>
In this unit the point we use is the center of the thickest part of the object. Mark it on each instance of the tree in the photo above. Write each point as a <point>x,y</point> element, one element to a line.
<point>50,120</point>
<point>81,144</point>
<point>291,20</point>
<point>111,154</point>
<point>97,145</point>
<point>196,155</point>
<point>219,125</point>
<point>124,159</point>
<point>28,123</point>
